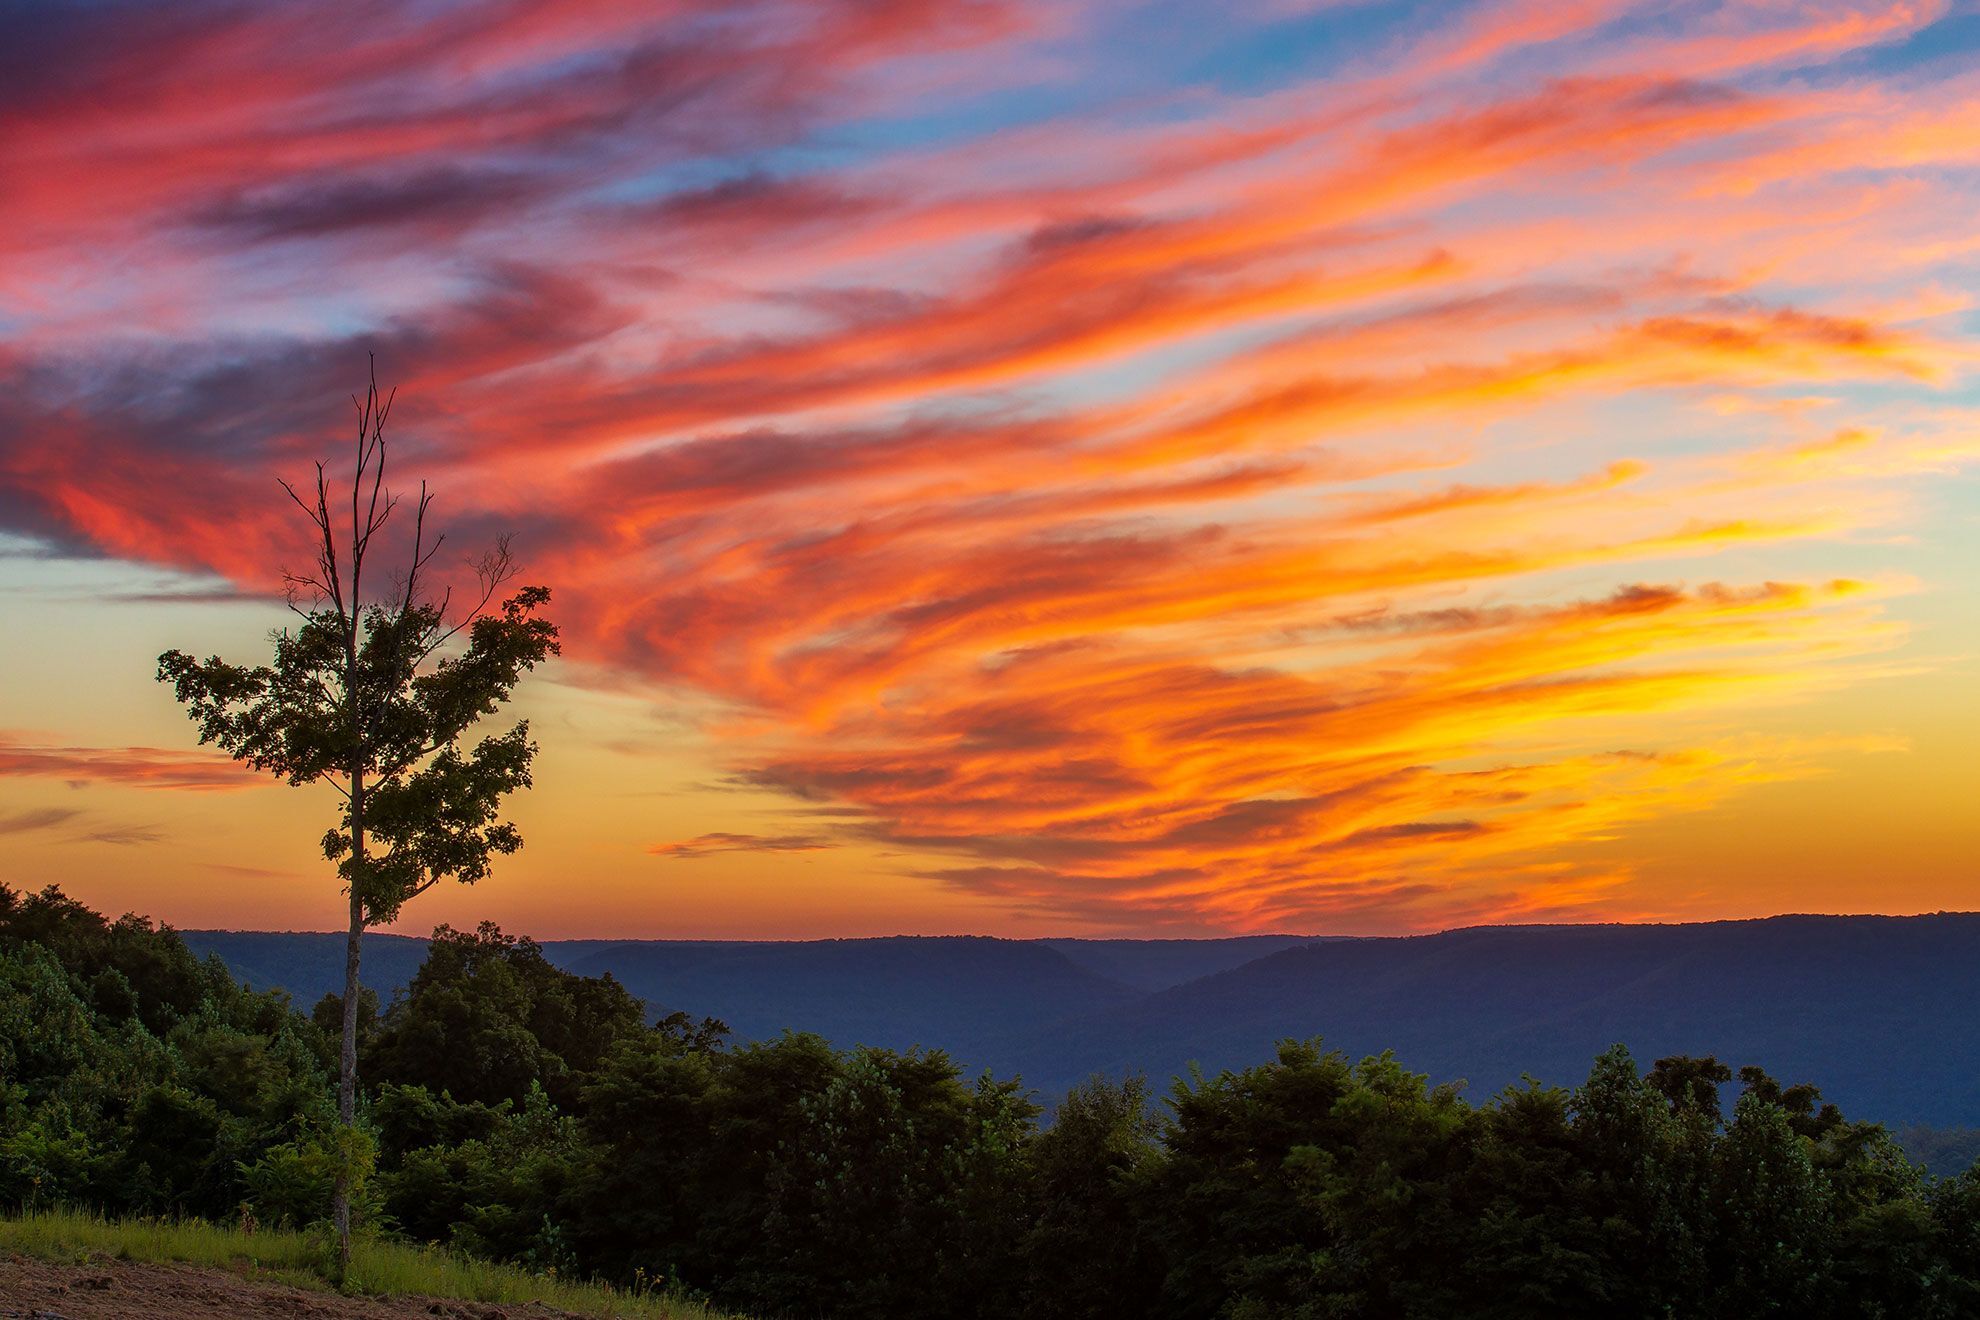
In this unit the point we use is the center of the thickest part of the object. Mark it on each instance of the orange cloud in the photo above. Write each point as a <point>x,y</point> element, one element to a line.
<point>142,767</point>
<point>722,841</point>
<point>1199,507</point>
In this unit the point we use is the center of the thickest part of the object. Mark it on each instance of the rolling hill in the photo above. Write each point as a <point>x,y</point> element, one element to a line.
<point>1878,1011</point>
<point>957,992</point>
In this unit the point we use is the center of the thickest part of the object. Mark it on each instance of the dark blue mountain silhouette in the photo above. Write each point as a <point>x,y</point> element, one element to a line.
<point>1158,964</point>
<point>1882,1012</point>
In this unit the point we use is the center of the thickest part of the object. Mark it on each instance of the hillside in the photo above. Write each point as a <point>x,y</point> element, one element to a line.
<point>961,992</point>
<point>309,964</point>
<point>1151,965</point>
<point>1877,1008</point>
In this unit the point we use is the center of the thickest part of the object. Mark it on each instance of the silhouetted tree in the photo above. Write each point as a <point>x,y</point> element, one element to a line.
<point>366,694</point>
<point>1649,1187</point>
<point>487,1017</point>
<point>1083,1249</point>
<point>1690,1084</point>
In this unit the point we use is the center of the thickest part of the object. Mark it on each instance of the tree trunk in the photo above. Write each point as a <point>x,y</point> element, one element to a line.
<point>340,1204</point>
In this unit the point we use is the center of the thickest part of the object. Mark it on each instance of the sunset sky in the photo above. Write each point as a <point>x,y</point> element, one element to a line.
<point>1029,468</point>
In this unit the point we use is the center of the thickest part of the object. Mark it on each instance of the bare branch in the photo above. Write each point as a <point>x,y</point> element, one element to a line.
<point>422,554</point>
<point>292,587</point>
<point>493,570</point>
<point>326,554</point>
<point>300,502</point>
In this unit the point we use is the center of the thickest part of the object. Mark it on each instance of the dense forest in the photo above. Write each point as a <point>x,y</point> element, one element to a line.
<point>525,1113</point>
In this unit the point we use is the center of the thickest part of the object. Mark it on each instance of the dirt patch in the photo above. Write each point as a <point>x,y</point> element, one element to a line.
<point>125,1290</point>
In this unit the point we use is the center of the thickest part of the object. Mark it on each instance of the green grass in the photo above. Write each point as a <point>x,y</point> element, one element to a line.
<point>377,1268</point>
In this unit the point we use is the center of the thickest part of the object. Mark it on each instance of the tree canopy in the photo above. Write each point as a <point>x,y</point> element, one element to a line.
<point>529,1115</point>
<point>395,721</point>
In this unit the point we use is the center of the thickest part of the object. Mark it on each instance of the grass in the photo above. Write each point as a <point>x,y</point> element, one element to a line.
<point>377,1268</point>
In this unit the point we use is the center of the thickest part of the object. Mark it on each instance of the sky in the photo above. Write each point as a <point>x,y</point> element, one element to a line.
<point>1027,468</point>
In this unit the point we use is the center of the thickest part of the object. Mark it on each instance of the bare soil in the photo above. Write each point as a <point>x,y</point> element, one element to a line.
<point>126,1290</point>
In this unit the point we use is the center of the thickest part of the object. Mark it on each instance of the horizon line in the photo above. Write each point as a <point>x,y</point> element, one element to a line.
<point>1147,939</point>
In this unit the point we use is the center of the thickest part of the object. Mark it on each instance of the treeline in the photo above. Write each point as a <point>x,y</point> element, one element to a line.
<point>522,1113</point>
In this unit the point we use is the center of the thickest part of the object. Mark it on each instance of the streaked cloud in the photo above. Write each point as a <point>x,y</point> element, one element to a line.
<point>143,767</point>
<point>42,818</point>
<point>724,842</point>
<point>1186,492</point>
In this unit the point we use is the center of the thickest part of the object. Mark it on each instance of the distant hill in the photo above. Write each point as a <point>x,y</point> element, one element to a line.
<point>1882,1012</point>
<point>1158,964</point>
<point>957,992</point>
<point>1878,1011</point>
<point>309,964</point>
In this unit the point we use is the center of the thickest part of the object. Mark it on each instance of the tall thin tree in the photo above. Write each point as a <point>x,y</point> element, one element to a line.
<point>373,693</point>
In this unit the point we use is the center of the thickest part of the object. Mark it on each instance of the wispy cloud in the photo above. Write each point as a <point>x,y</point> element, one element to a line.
<point>55,818</point>
<point>1250,498</point>
<point>126,836</point>
<point>42,818</point>
<point>706,845</point>
<point>143,767</point>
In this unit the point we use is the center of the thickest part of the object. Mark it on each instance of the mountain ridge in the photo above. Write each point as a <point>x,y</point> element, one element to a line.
<point>1873,1008</point>
<point>1886,1028</point>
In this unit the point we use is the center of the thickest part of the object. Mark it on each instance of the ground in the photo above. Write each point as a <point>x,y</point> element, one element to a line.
<point>105,1289</point>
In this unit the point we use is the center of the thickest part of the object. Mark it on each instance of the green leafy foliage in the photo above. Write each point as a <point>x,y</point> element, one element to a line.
<point>528,1116</point>
<point>497,1194</point>
<point>153,1099</point>
<point>1086,1250</point>
<point>363,697</point>
<point>488,1018</point>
